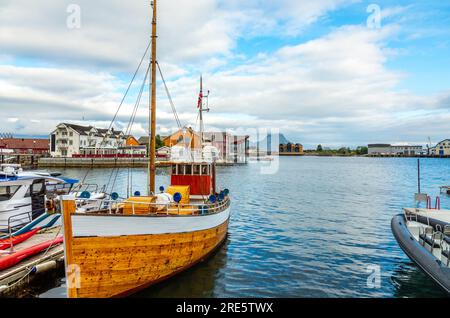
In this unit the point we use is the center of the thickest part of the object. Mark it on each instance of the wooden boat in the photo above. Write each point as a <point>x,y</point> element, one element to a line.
<point>145,240</point>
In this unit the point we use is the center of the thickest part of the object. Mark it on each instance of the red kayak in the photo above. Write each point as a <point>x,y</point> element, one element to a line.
<point>6,243</point>
<point>13,259</point>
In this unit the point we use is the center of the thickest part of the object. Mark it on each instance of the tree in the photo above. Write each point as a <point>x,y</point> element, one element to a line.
<point>319,148</point>
<point>159,142</point>
<point>362,150</point>
<point>342,150</point>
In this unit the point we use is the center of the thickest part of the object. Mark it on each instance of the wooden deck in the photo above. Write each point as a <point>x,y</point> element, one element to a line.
<point>10,276</point>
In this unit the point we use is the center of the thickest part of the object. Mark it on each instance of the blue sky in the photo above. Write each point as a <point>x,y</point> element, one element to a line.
<point>313,69</point>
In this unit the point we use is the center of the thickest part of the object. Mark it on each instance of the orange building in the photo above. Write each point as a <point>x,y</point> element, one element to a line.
<point>132,142</point>
<point>291,149</point>
<point>184,137</point>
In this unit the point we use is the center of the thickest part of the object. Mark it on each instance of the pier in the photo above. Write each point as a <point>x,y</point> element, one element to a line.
<point>16,280</point>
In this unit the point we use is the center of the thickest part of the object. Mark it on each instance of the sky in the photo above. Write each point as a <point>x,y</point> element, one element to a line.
<point>330,72</point>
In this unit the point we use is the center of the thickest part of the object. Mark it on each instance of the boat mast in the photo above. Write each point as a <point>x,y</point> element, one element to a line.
<point>152,142</point>
<point>201,111</point>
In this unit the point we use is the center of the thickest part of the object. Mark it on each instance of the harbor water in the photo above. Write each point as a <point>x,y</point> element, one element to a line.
<point>312,227</point>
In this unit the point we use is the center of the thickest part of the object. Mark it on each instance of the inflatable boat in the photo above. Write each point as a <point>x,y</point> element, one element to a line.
<point>424,237</point>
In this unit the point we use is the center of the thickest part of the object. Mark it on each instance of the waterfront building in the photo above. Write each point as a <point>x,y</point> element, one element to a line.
<point>232,148</point>
<point>24,145</point>
<point>69,140</point>
<point>442,148</point>
<point>397,149</point>
<point>291,149</point>
<point>186,137</point>
<point>163,153</point>
<point>133,148</point>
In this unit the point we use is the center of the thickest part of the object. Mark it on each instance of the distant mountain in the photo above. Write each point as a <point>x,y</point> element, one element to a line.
<point>282,139</point>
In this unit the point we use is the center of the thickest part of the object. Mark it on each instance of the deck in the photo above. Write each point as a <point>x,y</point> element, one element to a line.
<point>11,279</point>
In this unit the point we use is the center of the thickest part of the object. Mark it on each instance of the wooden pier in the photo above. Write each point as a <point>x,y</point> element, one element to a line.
<point>15,280</point>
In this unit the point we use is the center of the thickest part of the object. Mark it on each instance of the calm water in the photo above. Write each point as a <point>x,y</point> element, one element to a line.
<point>309,230</point>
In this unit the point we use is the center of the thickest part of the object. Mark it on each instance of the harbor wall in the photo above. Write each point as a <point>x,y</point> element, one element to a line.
<point>92,162</point>
<point>104,163</point>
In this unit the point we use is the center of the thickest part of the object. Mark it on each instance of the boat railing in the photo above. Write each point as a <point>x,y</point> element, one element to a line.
<point>172,208</point>
<point>447,230</point>
<point>14,222</point>
<point>410,216</point>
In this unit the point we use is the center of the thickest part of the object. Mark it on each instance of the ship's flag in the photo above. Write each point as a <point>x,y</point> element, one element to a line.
<point>200,99</point>
<point>200,96</point>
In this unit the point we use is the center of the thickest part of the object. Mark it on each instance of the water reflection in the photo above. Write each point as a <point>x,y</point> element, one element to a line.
<point>198,281</point>
<point>310,230</point>
<point>410,281</point>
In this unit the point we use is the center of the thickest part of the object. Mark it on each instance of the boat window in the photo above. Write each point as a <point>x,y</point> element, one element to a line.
<point>28,193</point>
<point>38,188</point>
<point>7,192</point>
<point>188,170</point>
<point>205,170</point>
<point>174,169</point>
<point>196,170</point>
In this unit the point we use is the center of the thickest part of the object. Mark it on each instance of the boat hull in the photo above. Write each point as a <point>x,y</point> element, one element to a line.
<point>105,265</point>
<point>418,254</point>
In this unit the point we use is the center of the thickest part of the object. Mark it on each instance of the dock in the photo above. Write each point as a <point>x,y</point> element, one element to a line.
<point>29,161</point>
<point>14,281</point>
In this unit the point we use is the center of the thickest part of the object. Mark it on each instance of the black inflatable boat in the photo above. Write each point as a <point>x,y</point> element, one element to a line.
<point>426,245</point>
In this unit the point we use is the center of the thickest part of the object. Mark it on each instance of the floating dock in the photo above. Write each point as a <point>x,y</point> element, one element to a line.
<point>15,280</point>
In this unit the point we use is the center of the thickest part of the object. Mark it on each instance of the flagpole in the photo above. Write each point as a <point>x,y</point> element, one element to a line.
<point>200,106</point>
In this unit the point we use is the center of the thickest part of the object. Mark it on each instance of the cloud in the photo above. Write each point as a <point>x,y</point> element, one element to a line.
<point>335,88</point>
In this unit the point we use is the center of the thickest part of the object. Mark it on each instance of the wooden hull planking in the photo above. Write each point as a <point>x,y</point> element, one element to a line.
<point>113,266</point>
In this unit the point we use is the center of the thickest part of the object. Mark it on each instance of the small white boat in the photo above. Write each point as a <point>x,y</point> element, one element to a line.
<point>445,189</point>
<point>23,194</point>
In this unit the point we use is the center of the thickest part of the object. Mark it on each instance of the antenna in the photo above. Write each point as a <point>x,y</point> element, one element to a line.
<point>201,109</point>
<point>418,175</point>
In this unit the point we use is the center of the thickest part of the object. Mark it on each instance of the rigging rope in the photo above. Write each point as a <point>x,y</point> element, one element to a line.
<point>177,119</point>
<point>120,106</point>
<point>126,92</point>
<point>130,124</point>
